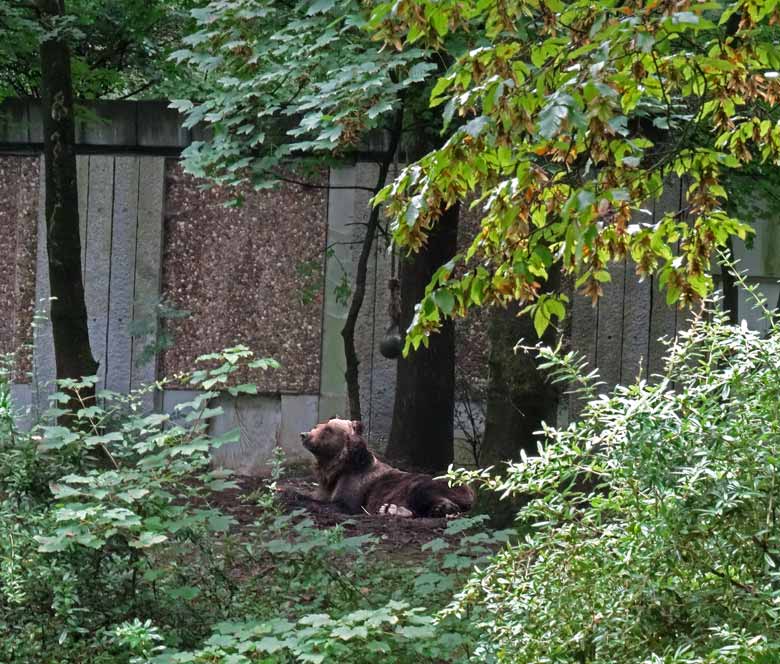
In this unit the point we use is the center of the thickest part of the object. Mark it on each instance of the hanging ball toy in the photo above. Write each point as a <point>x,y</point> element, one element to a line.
<point>392,343</point>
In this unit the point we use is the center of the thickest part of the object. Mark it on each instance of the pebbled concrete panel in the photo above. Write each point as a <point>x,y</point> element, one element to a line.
<point>9,182</point>
<point>249,275</point>
<point>24,282</point>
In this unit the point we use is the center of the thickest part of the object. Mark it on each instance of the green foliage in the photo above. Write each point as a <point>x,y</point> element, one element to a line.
<point>565,120</point>
<point>106,519</point>
<point>652,532</point>
<point>355,607</point>
<point>119,47</point>
<point>159,337</point>
<point>300,79</point>
<point>111,553</point>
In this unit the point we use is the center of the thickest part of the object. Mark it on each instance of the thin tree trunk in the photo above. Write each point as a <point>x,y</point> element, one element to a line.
<point>421,434</point>
<point>348,331</point>
<point>73,355</point>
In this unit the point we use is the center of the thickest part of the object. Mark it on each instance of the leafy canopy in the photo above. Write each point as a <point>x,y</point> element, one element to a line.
<point>118,47</point>
<point>567,117</point>
<point>284,80</point>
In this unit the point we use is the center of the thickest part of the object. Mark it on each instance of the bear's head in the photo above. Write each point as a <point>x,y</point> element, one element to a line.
<point>339,443</point>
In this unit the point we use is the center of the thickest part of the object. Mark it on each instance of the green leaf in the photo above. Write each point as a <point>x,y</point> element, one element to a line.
<point>444,300</point>
<point>147,539</point>
<point>320,7</point>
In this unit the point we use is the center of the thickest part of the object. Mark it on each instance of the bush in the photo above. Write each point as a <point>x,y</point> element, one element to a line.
<point>652,534</point>
<point>110,553</point>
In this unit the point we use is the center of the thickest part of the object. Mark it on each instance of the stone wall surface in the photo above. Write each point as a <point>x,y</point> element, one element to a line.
<point>247,275</point>
<point>18,211</point>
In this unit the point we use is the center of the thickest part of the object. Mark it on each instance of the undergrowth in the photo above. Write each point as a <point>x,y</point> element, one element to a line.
<point>111,553</point>
<point>649,536</point>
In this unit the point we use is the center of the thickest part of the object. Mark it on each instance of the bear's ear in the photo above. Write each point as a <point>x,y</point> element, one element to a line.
<point>357,427</point>
<point>358,455</point>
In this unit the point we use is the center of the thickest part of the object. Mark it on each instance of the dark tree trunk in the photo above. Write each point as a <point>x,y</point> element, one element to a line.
<point>519,399</point>
<point>421,434</point>
<point>348,331</point>
<point>518,396</point>
<point>72,351</point>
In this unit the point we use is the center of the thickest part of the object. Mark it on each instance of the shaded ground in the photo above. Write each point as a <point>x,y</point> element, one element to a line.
<point>395,535</point>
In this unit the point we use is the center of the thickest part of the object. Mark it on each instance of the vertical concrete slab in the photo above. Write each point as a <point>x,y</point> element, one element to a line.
<point>663,318</point>
<point>259,421</point>
<point>97,264</point>
<point>22,399</point>
<point>148,262</point>
<point>44,366</point>
<point>123,248</point>
<point>636,325</point>
<point>341,216</point>
<point>82,179</point>
<point>609,344</point>
<point>377,373</point>
<point>298,413</point>
<point>584,333</point>
<point>170,399</point>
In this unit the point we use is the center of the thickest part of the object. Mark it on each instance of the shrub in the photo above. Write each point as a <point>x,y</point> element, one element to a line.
<point>652,532</point>
<point>110,553</point>
<point>89,540</point>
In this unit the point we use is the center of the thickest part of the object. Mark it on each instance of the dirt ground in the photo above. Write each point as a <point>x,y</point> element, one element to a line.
<point>395,535</point>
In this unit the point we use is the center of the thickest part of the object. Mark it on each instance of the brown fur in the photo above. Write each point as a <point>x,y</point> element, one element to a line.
<point>351,476</point>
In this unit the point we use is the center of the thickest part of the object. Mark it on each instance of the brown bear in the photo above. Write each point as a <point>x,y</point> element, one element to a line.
<point>353,478</point>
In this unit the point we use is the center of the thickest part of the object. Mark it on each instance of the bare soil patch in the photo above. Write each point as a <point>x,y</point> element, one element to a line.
<point>395,535</point>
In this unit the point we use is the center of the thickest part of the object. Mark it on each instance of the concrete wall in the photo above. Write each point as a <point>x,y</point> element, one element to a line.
<point>121,212</point>
<point>150,231</point>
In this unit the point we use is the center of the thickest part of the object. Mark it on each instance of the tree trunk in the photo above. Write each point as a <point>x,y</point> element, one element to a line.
<point>351,374</point>
<point>519,399</point>
<point>73,355</point>
<point>421,434</point>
